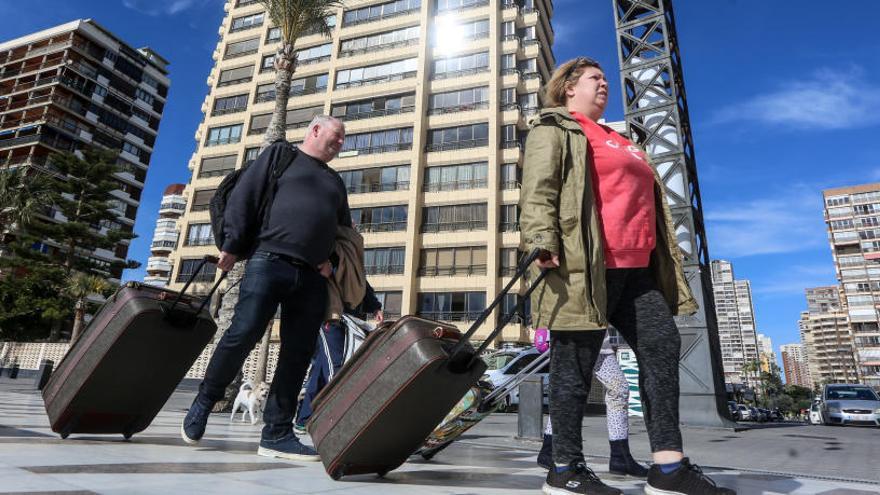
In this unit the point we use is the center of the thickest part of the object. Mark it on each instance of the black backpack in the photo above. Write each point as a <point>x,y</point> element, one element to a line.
<point>221,197</point>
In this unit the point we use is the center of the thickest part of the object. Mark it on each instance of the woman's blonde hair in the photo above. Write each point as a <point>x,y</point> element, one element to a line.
<point>565,75</point>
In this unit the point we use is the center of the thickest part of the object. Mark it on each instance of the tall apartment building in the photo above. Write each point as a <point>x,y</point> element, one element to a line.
<point>435,95</point>
<point>77,85</point>
<point>736,320</point>
<point>794,364</point>
<point>826,334</point>
<point>852,215</point>
<point>765,353</point>
<point>166,234</point>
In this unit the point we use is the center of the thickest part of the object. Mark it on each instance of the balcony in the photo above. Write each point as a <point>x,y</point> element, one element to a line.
<point>377,113</point>
<point>159,263</point>
<point>510,185</point>
<point>452,271</point>
<point>173,207</point>
<point>459,73</point>
<point>508,227</point>
<point>464,226</point>
<point>225,140</point>
<point>459,108</point>
<point>200,241</point>
<point>384,270</point>
<point>379,17</point>
<point>159,246</point>
<point>378,187</point>
<point>373,49</point>
<point>377,80</point>
<point>457,145</point>
<point>387,148</point>
<point>450,315</point>
<point>458,185</point>
<point>156,280</point>
<point>381,227</point>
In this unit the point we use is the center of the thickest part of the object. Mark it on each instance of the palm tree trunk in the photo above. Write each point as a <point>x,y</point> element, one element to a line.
<point>285,65</point>
<point>78,319</point>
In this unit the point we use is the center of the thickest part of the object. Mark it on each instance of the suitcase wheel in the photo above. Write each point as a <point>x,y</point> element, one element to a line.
<point>428,456</point>
<point>127,435</point>
<point>64,435</point>
<point>337,473</point>
<point>381,474</point>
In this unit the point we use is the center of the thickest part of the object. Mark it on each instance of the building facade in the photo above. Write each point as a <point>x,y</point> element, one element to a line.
<point>765,353</point>
<point>736,321</point>
<point>827,338</point>
<point>852,215</point>
<point>435,96</point>
<point>74,86</point>
<point>166,235</point>
<point>794,364</point>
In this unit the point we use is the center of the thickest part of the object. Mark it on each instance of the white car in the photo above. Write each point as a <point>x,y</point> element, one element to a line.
<point>815,414</point>
<point>504,365</point>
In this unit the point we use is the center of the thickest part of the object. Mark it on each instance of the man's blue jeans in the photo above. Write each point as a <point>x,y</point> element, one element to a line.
<point>301,291</point>
<point>325,364</point>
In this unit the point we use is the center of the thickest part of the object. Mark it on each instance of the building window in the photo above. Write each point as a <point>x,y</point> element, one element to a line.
<point>314,55</point>
<point>199,234</point>
<point>456,261</point>
<point>241,48</point>
<point>509,218</point>
<point>188,268</point>
<point>265,92</point>
<point>377,142</point>
<point>384,261</point>
<point>388,39</point>
<point>247,22</point>
<point>456,177</point>
<point>451,306</point>
<point>447,5</point>
<point>301,117</point>
<point>236,76</point>
<point>380,218</point>
<point>510,137</point>
<point>201,200</point>
<point>230,104</point>
<point>509,304</point>
<point>509,260</point>
<point>379,11</point>
<point>227,134</point>
<point>144,96</point>
<point>308,85</point>
<point>267,63</point>
<point>459,101</point>
<point>391,302</point>
<point>215,166</point>
<point>375,107</point>
<point>459,137</point>
<point>452,218</point>
<point>461,65</point>
<point>373,74</point>
<point>510,176</point>
<point>376,179</point>
<point>250,154</point>
<point>273,35</point>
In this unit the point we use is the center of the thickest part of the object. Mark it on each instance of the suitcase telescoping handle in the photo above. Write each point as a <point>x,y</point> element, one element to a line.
<point>461,360</point>
<point>205,260</point>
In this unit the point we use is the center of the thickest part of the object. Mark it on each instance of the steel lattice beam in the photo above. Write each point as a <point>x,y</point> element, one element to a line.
<point>657,119</point>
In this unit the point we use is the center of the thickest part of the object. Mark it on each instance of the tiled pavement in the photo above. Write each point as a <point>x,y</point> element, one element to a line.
<point>486,461</point>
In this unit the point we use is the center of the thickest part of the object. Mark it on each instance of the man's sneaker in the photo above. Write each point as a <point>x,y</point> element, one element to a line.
<point>578,479</point>
<point>299,428</point>
<point>196,420</point>
<point>686,480</point>
<point>545,456</point>
<point>289,447</point>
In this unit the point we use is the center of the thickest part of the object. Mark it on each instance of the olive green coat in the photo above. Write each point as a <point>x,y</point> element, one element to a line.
<point>558,213</point>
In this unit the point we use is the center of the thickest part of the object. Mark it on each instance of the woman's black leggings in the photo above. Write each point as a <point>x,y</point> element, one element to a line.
<point>637,309</point>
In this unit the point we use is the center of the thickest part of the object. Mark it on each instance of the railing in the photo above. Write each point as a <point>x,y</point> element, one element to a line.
<point>200,241</point>
<point>379,149</point>
<point>457,145</point>
<point>385,46</point>
<point>457,185</point>
<point>452,271</point>
<point>377,80</point>
<point>235,81</point>
<point>203,207</point>
<point>474,5</point>
<point>227,111</point>
<point>201,277</point>
<point>172,206</point>
<point>384,270</point>
<point>14,71</point>
<point>459,108</point>
<point>378,113</point>
<point>242,3</point>
<point>227,140</point>
<point>32,84</point>
<point>44,49</point>
<point>459,73</point>
<point>316,60</point>
<point>244,28</point>
<point>215,173</point>
<point>454,226</point>
<point>509,185</point>
<point>508,227</point>
<point>381,227</point>
<point>510,144</point>
<point>228,56</point>
<point>378,187</point>
<point>164,244</point>
<point>450,315</point>
<point>511,71</point>
<point>379,17</point>
<point>507,271</point>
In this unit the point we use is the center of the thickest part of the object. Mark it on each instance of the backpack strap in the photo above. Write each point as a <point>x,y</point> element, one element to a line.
<point>287,155</point>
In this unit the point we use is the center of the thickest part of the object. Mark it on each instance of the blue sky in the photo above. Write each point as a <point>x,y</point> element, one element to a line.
<point>784,102</point>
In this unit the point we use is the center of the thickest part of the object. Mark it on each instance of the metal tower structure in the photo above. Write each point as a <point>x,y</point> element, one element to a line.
<point>656,113</point>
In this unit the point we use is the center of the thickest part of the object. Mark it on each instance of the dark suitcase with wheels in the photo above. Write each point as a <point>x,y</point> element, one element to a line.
<point>123,368</point>
<point>396,389</point>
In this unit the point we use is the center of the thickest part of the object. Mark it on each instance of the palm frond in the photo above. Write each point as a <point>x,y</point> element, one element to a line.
<point>299,17</point>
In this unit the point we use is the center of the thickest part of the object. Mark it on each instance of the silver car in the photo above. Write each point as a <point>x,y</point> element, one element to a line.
<point>848,404</point>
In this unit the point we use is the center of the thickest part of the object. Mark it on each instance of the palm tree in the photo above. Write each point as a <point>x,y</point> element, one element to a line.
<point>22,196</point>
<point>80,286</point>
<point>295,18</point>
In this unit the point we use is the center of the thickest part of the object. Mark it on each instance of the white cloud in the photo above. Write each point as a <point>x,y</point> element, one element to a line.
<point>160,7</point>
<point>789,221</point>
<point>826,99</point>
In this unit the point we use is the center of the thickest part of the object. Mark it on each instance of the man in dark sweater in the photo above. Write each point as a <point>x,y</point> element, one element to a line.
<point>289,268</point>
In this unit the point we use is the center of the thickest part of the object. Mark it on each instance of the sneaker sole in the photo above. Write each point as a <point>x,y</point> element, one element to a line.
<point>650,490</point>
<point>263,451</point>
<point>186,438</point>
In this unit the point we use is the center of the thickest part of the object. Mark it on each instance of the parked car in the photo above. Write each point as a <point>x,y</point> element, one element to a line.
<point>743,412</point>
<point>503,365</point>
<point>849,404</point>
<point>815,413</point>
<point>733,409</point>
<point>755,414</point>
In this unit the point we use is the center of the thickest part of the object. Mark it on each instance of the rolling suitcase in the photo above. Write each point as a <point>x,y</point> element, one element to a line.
<point>396,389</point>
<point>123,368</point>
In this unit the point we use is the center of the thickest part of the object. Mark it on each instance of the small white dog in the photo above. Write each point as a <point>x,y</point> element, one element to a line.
<point>250,401</point>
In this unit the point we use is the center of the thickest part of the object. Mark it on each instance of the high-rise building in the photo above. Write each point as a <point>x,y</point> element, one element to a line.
<point>794,364</point>
<point>736,321</point>
<point>166,235</point>
<point>77,85</point>
<point>826,334</point>
<point>765,353</point>
<point>435,95</point>
<point>852,215</point>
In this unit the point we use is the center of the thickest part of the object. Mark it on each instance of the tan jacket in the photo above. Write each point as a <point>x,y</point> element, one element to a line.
<point>558,213</point>
<point>348,284</point>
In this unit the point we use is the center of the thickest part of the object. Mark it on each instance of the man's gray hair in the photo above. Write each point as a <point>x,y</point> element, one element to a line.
<point>323,120</point>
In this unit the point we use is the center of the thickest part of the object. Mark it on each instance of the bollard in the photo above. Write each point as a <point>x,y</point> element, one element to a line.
<point>13,372</point>
<point>530,415</point>
<point>43,374</point>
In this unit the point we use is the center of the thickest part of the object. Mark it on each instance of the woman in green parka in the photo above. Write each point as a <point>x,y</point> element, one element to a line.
<point>595,207</point>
